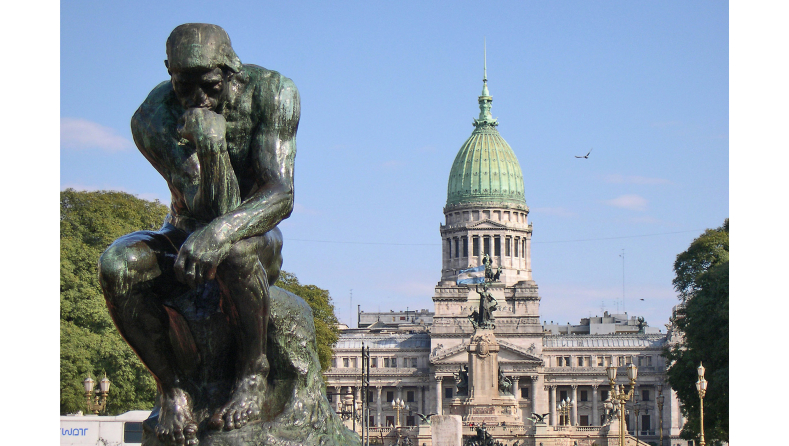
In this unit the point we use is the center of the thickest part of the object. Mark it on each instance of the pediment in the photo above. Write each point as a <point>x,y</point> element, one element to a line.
<point>446,355</point>
<point>487,224</point>
<point>511,352</point>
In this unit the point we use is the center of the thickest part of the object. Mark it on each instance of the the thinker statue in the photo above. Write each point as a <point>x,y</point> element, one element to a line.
<point>223,136</point>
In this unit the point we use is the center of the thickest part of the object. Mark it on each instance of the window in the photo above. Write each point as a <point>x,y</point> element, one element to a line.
<point>567,362</point>
<point>386,362</point>
<point>409,421</point>
<point>562,394</point>
<point>457,248</point>
<point>465,246</point>
<point>402,318</point>
<point>600,361</point>
<point>409,396</point>
<point>584,420</point>
<point>346,362</point>
<point>517,242</point>
<point>329,397</point>
<point>486,245</point>
<point>475,246</point>
<point>334,361</point>
<point>448,392</point>
<point>628,360</point>
<point>394,362</point>
<point>584,396</point>
<point>620,361</point>
<point>389,396</point>
<point>413,362</point>
<point>390,420</point>
<point>580,361</point>
<point>524,392</point>
<point>132,432</point>
<point>373,363</point>
<point>369,396</point>
<point>604,394</point>
<point>449,247</point>
<point>645,426</point>
<point>353,362</point>
<point>645,395</point>
<point>507,243</point>
<point>523,251</point>
<point>497,246</point>
<point>372,421</point>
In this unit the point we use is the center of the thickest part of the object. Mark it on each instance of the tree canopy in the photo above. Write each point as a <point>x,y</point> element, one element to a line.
<point>89,342</point>
<point>702,323</point>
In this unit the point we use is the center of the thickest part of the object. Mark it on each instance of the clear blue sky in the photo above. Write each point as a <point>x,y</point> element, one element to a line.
<point>389,90</point>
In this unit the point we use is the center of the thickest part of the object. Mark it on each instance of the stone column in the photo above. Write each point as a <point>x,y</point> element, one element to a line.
<point>552,403</point>
<point>535,406</point>
<point>528,256</point>
<point>378,414</point>
<point>574,408</point>
<point>595,403</point>
<point>439,409</point>
<point>516,391</point>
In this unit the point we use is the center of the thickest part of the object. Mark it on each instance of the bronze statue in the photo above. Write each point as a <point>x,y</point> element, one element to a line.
<point>223,136</point>
<point>461,378</point>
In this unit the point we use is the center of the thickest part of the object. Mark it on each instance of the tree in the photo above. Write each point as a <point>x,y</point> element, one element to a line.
<point>89,342</point>
<point>702,323</point>
<point>326,331</point>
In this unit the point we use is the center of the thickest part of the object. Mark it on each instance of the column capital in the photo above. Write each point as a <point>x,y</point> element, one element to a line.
<point>574,386</point>
<point>438,378</point>
<point>595,386</point>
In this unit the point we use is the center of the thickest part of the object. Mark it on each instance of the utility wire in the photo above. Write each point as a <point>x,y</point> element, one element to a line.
<point>533,241</point>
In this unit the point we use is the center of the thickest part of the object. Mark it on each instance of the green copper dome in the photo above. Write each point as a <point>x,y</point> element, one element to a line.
<point>485,169</point>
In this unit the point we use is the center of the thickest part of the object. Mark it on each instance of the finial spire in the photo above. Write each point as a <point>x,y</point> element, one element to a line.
<point>485,58</point>
<point>485,99</point>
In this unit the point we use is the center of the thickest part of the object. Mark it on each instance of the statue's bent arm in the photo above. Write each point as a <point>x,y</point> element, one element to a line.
<point>273,151</point>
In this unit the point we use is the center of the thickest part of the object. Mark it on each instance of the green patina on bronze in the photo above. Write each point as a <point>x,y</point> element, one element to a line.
<point>485,169</point>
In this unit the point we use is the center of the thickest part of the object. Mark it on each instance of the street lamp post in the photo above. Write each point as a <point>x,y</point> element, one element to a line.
<point>637,409</point>
<point>97,401</point>
<point>660,410</point>
<point>620,396</point>
<point>701,386</point>
<point>399,405</point>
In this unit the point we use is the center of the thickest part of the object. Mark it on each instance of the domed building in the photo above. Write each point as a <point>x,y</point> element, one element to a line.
<point>417,357</point>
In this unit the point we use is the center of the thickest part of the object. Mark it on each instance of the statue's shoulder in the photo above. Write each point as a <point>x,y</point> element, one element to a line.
<point>271,87</point>
<point>157,109</point>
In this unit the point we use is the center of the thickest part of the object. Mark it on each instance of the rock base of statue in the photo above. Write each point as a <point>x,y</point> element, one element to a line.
<point>294,408</point>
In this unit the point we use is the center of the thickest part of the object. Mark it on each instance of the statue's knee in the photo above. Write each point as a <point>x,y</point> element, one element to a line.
<point>120,266</point>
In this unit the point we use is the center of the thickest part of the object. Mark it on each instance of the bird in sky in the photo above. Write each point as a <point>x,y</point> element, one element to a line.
<point>585,156</point>
<point>641,299</point>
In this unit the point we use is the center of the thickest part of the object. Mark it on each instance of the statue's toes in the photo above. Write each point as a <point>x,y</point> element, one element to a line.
<point>217,421</point>
<point>229,422</point>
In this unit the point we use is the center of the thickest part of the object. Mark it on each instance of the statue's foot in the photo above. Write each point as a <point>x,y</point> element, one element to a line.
<point>176,425</point>
<point>243,407</point>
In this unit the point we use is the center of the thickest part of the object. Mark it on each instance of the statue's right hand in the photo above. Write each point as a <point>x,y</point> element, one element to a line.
<point>203,128</point>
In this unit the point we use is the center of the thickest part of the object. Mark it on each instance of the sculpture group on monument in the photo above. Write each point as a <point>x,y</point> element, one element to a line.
<point>234,358</point>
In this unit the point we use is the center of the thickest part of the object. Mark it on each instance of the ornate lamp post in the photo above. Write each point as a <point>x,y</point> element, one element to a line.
<point>99,400</point>
<point>636,409</point>
<point>701,386</point>
<point>620,396</point>
<point>399,405</point>
<point>660,410</point>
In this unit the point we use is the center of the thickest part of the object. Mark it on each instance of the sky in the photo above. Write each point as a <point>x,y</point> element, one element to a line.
<point>388,94</point>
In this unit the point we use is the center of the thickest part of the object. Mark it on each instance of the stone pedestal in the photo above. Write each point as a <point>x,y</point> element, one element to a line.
<point>447,430</point>
<point>485,404</point>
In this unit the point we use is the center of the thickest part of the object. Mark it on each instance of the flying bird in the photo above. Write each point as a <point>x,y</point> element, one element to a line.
<point>585,156</point>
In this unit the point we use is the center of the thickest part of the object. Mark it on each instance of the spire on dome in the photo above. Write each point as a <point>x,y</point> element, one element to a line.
<point>485,100</point>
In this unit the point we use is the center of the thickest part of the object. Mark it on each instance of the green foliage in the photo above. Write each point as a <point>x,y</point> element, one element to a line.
<point>326,331</point>
<point>89,342</point>
<point>702,280</point>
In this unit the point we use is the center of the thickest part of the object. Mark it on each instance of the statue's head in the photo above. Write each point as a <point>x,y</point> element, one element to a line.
<point>200,61</point>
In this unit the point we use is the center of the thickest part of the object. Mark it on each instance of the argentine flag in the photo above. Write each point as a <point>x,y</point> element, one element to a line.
<point>471,276</point>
